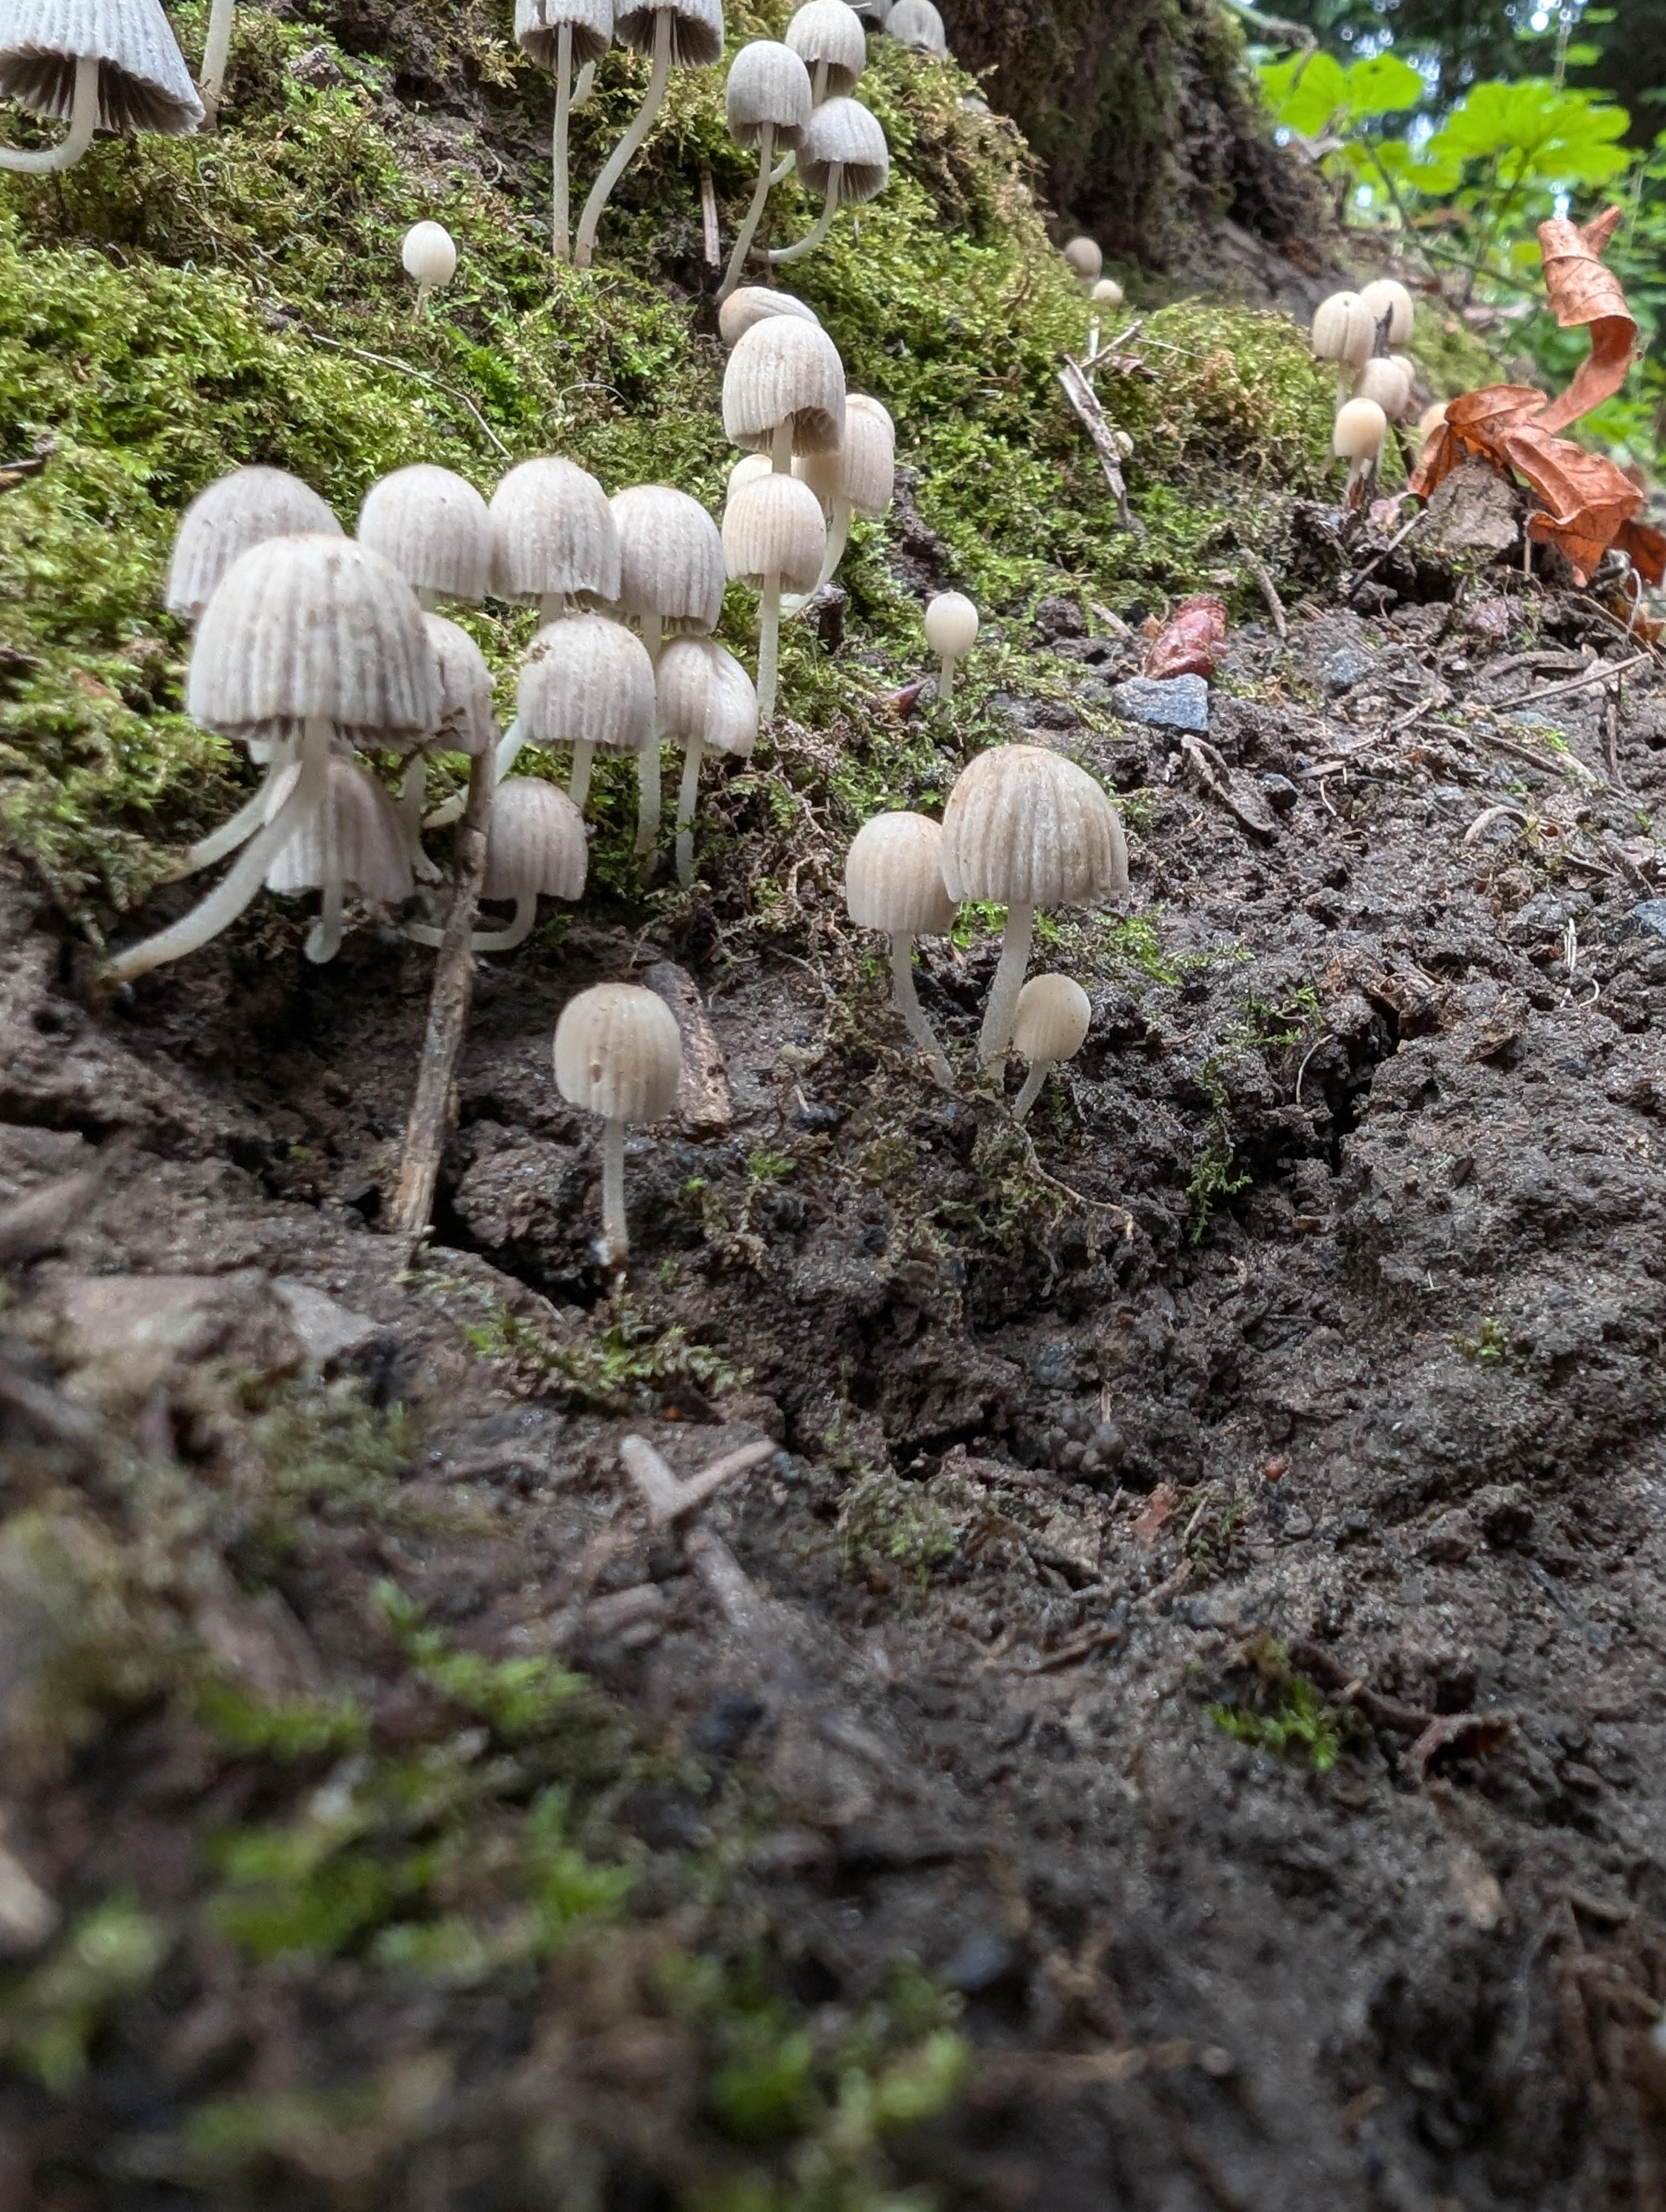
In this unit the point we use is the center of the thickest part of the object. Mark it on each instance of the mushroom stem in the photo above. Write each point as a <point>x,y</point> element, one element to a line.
<point>823,223</point>
<point>688,795</point>
<point>577,783</point>
<point>648,802</point>
<point>619,159</point>
<point>615,1239</point>
<point>552,606</point>
<point>781,449</point>
<point>559,237</point>
<point>743,245</point>
<point>768,642</point>
<point>247,820</point>
<point>324,938</point>
<point>818,85</point>
<point>997,1030</point>
<point>83,121</point>
<point>782,170</point>
<point>505,940</point>
<point>510,746</point>
<point>1357,487</point>
<point>945,682</point>
<point>583,85</point>
<point>913,1013</point>
<point>1039,1072</point>
<point>216,49</point>
<point>447,1014</point>
<point>412,791</point>
<point>237,888</point>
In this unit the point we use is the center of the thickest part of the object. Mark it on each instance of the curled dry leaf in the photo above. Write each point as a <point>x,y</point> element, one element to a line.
<point>1189,642</point>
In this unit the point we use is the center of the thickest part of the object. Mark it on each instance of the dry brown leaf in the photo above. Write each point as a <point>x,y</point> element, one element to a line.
<point>1582,290</point>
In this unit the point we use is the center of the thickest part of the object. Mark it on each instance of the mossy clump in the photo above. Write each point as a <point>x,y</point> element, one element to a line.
<point>888,1524</point>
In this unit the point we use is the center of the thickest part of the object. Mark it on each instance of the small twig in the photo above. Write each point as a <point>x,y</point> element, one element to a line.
<point>1393,546</point>
<point>1082,1647</point>
<point>1083,397</point>
<point>1487,817</point>
<point>1268,589</point>
<point>708,217</point>
<point>1565,765</point>
<point>1600,671</point>
<point>667,1497</point>
<point>404,368</point>
<point>1611,744</point>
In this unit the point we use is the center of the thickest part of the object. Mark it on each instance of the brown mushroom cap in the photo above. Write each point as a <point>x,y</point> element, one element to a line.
<point>671,557</point>
<point>435,528</point>
<point>371,854</point>
<point>553,535</point>
<point>536,842</point>
<point>144,82</point>
<point>696,29</point>
<point>785,371</point>
<point>844,132</point>
<point>1052,1019</point>
<point>774,527</point>
<point>893,875</point>
<point>587,681</point>
<point>1025,827</point>
<point>618,1054</point>
<point>235,511</point>
<point>768,87</point>
<point>706,695</point>
<point>538,29</point>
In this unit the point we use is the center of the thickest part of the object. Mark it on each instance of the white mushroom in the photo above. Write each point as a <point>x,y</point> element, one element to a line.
<point>951,627</point>
<point>688,31</point>
<point>1385,381</point>
<point>354,841</point>
<point>535,847</point>
<point>587,683</point>
<point>429,256</point>
<point>435,528</point>
<point>893,881</point>
<point>783,391</point>
<point>829,41</point>
<point>860,477</point>
<point>1049,1024</point>
<point>554,538</point>
<point>754,303</point>
<point>767,101</point>
<point>1345,332</point>
<point>1361,431</point>
<point>916,23</point>
<point>555,33</point>
<point>465,724</point>
<point>98,64</point>
<point>844,157</point>
<point>618,1055</point>
<point>671,583</point>
<point>774,539</point>
<point>1083,254</point>
<point>706,703</point>
<point>1390,303</point>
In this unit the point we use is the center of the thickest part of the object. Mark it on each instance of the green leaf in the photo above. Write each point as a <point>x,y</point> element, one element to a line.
<point>1305,93</point>
<point>1539,134</point>
<point>1384,85</point>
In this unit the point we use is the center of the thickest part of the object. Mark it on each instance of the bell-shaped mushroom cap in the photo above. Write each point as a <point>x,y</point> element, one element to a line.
<point>1084,255</point>
<point>236,512</point>
<point>1343,330</point>
<point>783,370</point>
<point>1431,420</point>
<point>1026,827</point>
<point>1387,383</point>
<point>370,850</point>
<point>314,628</point>
<point>705,693</point>
<point>773,526</point>
<point>671,558</point>
<point>754,303</point>
<point>767,86</point>
<point>1385,297</point>
<point>538,28</point>
<point>553,532</point>
<point>951,624</point>
<point>826,30</point>
<point>1052,1019</point>
<point>916,23</point>
<point>893,876</point>
<point>845,132</point>
<point>466,723</point>
<point>696,29</point>
<point>429,253</point>
<point>1361,429</point>
<point>618,1053</point>
<point>1107,293</point>
<point>587,681</point>
<point>435,528</point>
<point>863,471</point>
<point>747,470</point>
<point>535,843</point>
<point>144,82</point>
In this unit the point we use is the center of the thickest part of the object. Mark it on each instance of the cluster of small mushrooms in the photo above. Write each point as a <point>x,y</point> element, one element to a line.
<point>1363,334</point>
<point>1087,260</point>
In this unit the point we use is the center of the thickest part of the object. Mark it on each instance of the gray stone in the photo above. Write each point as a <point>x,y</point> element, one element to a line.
<point>1280,794</point>
<point>327,1330</point>
<point>1348,665</point>
<point>1173,702</point>
<point>1651,913</point>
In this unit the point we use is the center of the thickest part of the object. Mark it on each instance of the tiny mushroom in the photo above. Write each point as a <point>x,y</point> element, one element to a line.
<point>753,303</point>
<point>103,64</point>
<point>1361,430</point>
<point>829,41</point>
<point>1106,293</point>
<point>555,33</point>
<point>587,683</point>
<point>429,255</point>
<point>1384,380</point>
<point>617,1055</point>
<point>435,528</point>
<point>535,847</point>
<point>783,391</point>
<point>767,101</point>
<point>1049,1024</point>
<point>951,632</point>
<point>844,157</point>
<point>893,880</point>
<point>860,477</point>
<point>687,32</point>
<point>1085,257</point>
<point>1345,332</point>
<point>235,511</point>
<point>670,582</point>
<point>1389,303</point>
<point>1024,828</point>
<point>707,704</point>
<point>554,538</point>
<point>354,841</point>
<point>916,23</point>
<point>774,539</point>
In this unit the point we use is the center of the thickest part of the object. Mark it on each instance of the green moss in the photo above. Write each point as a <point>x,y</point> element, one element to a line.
<point>887,1522</point>
<point>618,1363</point>
<point>1285,1714</point>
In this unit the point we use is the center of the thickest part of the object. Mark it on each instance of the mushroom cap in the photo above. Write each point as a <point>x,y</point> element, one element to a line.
<point>1052,1019</point>
<point>753,303</point>
<point>863,471</point>
<point>768,85</point>
<point>1386,382</point>
<point>535,842</point>
<point>893,876</point>
<point>1431,420</point>
<point>671,558</point>
<point>314,627</point>
<point>1026,827</point>
<point>236,512</point>
<point>144,82</point>
<point>870,12</point>
<point>696,29</point>
<point>826,30</point>
<point>618,1053</point>
<point>1083,254</point>
<point>1107,291</point>
<point>951,624</point>
<point>466,722</point>
<point>916,23</point>
<point>773,526</point>
<point>538,29</point>
<point>844,132</point>
<point>587,681</point>
<point>705,693</point>
<point>429,253</point>
<point>747,470</point>
<point>1361,429</point>
<point>1344,330</point>
<point>553,532</point>
<point>783,370</point>
<point>435,528</point>
<point>1384,296</point>
<point>370,842</point>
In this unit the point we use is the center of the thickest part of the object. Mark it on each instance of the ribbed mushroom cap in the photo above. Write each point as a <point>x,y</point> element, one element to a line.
<point>144,82</point>
<point>538,29</point>
<point>435,528</point>
<point>1083,254</point>
<point>466,723</point>
<point>845,132</point>
<point>234,513</point>
<point>370,843</point>
<point>1343,330</point>
<point>314,627</point>
<point>916,23</point>
<point>696,29</point>
<point>429,253</point>
<point>587,681</point>
<point>553,532</point>
<point>1025,827</point>
<point>536,842</point>
<point>1361,429</point>
<point>618,1054</point>
<point>705,693</point>
<point>783,370</point>
<point>671,558</point>
<point>755,303</point>
<point>826,30</point>
<point>1385,297</point>
<point>1387,383</point>
<point>1052,1019</point>
<point>951,624</point>
<point>863,471</point>
<point>747,470</point>
<point>893,876</point>
<point>767,86</point>
<point>774,527</point>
